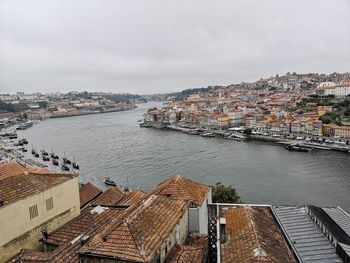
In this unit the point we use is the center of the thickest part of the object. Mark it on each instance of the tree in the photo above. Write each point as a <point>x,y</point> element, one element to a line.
<point>326,119</point>
<point>225,194</point>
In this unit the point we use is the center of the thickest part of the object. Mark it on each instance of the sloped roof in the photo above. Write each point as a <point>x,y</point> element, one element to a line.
<point>90,218</point>
<point>15,168</point>
<point>110,197</point>
<point>253,236</point>
<point>11,169</point>
<point>192,252</point>
<point>182,188</point>
<point>20,186</point>
<point>87,193</point>
<point>134,197</point>
<point>148,225</point>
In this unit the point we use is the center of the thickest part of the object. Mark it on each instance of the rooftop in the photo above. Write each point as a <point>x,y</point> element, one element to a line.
<point>182,188</point>
<point>143,227</point>
<point>108,198</point>
<point>87,193</point>
<point>252,235</point>
<point>15,168</point>
<point>20,186</point>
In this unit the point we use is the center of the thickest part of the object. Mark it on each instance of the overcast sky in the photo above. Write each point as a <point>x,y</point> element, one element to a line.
<point>148,46</point>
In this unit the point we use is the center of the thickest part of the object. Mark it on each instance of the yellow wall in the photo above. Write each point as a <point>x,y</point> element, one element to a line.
<point>16,227</point>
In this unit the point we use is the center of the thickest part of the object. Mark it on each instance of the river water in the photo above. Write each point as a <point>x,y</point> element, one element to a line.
<point>113,145</point>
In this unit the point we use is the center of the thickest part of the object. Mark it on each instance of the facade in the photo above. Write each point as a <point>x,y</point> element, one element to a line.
<point>37,202</point>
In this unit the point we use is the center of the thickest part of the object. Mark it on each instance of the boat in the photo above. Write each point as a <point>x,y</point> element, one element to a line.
<point>33,151</point>
<point>25,125</point>
<point>108,181</point>
<point>65,160</point>
<point>296,148</point>
<point>208,134</point>
<point>44,153</point>
<point>45,158</point>
<point>36,155</point>
<point>12,136</point>
<point>24,149</point>
<point>53,156</point>
<point>75,165</point>
<point>54,162</point>
<point>64,167</point>
<point>25,141</point>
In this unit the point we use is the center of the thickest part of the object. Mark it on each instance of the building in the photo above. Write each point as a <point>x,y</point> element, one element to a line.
<point>197,195</point>
<point>37,202</point>
<point>274,233</point>
<point>88,192</point>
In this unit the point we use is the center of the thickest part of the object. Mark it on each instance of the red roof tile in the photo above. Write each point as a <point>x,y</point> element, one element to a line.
<point>133,197</point>
<point>87,193</point>
<point>108,198</point>
<point>182,188</point>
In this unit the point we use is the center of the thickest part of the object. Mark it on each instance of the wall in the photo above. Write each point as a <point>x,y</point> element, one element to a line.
<point>203,214</point>
<point>24,232</point>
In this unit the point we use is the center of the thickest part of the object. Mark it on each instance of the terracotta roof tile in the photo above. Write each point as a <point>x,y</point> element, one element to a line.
<point>151,222</point>
<point>15,168</point>
<point>252,236</point>
<point>134,197</point>
<point>182,188</point>
<point>192,252</point>
<point>20,186</point>
<point>108,198</point>
<point>87,193</point>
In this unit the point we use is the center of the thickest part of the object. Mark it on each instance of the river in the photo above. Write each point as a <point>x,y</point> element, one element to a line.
<point>113,145</point>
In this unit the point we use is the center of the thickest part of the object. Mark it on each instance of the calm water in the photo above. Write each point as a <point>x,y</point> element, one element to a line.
<point>112,144</point>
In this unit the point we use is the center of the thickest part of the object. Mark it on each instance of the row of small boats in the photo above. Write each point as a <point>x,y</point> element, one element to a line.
<point>46,157</point>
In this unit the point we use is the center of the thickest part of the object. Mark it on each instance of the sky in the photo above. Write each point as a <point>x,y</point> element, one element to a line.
<point>146,47</point>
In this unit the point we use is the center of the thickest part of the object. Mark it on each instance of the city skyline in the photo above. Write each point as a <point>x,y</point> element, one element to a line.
<point>48,45</point>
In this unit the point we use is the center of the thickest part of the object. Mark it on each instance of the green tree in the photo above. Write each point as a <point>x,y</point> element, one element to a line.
<point>225,194</point>
<point>326,119</point>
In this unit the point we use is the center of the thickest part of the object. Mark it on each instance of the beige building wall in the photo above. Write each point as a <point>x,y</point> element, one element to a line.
<point>19,231</point>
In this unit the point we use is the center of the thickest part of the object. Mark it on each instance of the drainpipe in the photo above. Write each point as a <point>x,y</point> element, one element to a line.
<point>218,234</point>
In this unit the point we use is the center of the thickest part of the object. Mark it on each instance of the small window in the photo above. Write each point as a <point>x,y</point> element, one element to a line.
<point>33,211</point>
<point>49,204</point>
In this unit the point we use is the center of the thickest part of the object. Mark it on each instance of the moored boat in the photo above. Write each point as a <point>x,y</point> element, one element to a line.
<point>108,181</point>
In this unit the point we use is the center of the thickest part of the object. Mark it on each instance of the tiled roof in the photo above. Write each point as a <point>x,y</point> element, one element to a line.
<point>15,168</point>
<point>109,197</point>
<point>252,236</point>
<point>182,188</point>
<point>87,193</point>
<point>148,225</point>
<point>134,197</point>
<point>192,252</point>
<point>10,169</point>
<point>90,218</point>
<point>20,186</point>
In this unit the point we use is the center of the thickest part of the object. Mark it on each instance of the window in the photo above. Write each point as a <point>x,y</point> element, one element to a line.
<point>49,204</point>
<point>33,211</point>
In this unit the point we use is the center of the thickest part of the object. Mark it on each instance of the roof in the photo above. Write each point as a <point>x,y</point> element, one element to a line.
<point>15,168</point>
<point>20,186</point>
<point>11,169</point>
<point>307,239</point>
<point>87,193</point>
<point>87,220</point>
<point>252,235</point>
<point>147,225</point>
<point>192,252</point>
<point>182,188</point>
<point>133,197</point>
<point>109,197</point>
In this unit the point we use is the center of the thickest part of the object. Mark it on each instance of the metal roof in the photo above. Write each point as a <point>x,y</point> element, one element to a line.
<point>308,241</point>
<point>340,217</point>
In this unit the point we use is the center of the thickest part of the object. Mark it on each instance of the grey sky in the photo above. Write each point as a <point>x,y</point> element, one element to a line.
<point>160,46</point>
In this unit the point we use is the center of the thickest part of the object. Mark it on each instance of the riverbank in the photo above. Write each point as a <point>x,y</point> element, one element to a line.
<point>235,135</point>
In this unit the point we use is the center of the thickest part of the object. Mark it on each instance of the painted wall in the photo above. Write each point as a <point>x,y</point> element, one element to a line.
<point>24,232</point>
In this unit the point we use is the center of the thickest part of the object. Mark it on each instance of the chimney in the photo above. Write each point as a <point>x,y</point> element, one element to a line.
<point>222,222</point>
<point>84,239</point>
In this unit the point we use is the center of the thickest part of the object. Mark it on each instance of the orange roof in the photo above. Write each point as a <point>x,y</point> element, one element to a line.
<point>182,188</point>
<point>109,197</point>
<point>252,235</point>
<point>134,197</point>
<point>87,193</point>
<point>20,186</point>
<point>154,220</point>
<point>15,168</point>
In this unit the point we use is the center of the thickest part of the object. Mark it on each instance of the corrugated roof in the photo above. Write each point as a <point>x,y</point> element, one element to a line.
<point>308,241</point>
<point>340,217</point>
